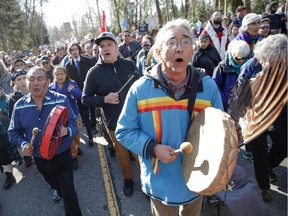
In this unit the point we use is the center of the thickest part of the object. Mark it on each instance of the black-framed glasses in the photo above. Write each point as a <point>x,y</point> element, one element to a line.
<point>173,43</point>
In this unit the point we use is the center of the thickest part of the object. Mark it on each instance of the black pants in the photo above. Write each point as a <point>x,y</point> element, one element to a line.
<point>84,112</point>
<point>4,157</point>
<point>58,172</point>
<point>92,111</point>
<point>264,160</point>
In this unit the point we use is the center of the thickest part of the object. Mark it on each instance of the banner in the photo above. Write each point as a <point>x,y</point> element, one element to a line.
<point>103,22</point>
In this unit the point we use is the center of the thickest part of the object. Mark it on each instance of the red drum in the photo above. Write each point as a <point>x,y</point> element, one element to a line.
<point>208,168</point>
<point>51,140</point>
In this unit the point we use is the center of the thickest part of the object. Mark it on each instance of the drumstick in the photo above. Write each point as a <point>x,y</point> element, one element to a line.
<point>133,75</point>
<point>34,133</point>
<point>185,147</point>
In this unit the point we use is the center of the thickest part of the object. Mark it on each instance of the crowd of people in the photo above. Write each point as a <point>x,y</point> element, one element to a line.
<point>143,85</point>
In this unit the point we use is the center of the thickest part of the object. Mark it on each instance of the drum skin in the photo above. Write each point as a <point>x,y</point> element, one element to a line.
<point>208,168</point>
<point>51,140</point>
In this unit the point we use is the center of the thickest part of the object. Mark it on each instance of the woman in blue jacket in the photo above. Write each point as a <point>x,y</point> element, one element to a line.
<point>226,73</point>
<point>64,85</point>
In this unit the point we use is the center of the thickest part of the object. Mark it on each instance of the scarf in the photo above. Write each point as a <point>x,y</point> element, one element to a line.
<point>250,40</point>
<point>235,66</point>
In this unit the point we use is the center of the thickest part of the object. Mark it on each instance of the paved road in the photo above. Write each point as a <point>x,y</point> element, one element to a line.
<point>32,196</point>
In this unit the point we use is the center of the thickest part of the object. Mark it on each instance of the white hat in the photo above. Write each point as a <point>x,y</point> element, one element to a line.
<point>250,18</point>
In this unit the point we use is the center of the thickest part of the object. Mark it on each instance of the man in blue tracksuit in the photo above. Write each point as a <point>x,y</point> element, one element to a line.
<point>31,111</point>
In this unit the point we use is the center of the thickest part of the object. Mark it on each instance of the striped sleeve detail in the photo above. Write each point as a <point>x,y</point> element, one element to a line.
<point>51,102</point>
<point>161,103</point>
<point>26,105</point>
<point>30,105</point>
<point>157,122</point>
<point>200,105</point>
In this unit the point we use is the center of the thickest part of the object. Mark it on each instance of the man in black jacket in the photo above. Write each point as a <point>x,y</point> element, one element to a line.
<point>102,89</point>
<point>78,67</point>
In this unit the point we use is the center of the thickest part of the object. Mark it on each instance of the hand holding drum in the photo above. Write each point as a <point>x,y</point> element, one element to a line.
<point>185,147</point>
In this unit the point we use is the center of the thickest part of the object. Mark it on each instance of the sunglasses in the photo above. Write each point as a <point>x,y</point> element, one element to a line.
<point>239,59</point>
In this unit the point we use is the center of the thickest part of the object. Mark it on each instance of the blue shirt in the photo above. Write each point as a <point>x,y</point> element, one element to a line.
<point>26,116</point>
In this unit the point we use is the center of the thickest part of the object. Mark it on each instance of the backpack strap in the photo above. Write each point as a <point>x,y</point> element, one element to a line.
<point>196,78</point>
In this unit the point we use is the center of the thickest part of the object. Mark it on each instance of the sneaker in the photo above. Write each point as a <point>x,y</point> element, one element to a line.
<point>248,155</point>
<point>10,179</point>
<point>91,143</point>
<point>266,196</point>
<point>272,176</point>
<point>55,196</point>
<point>111,150</point>
<point>128,187</point>
<point>28,161</point>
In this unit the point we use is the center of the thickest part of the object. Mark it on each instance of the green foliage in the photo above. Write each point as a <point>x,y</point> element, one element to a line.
<point>259,6</point>
<point>20,30</point>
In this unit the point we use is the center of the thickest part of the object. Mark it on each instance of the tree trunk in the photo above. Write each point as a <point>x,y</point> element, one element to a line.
<point>98,12</point>
<point>136,12</point>
<point>167,11</point>
<point>186,9</point>
<point>247,4</point>
<point>173,9</point>
<point>117,15</point>
<point>160,19</point>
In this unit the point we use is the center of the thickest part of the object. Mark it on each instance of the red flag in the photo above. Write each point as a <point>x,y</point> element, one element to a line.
<point>103,22</point>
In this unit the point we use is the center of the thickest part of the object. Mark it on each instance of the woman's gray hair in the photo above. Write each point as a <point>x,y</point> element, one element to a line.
<point>267,50</point>
<point>240,47</point>
<point>169,25</point>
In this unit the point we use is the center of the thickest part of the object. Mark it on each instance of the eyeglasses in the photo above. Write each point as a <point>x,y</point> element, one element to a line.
<point>173,43</point>
<point>44,62</point>
<point>239,59</point>
<point>126,35</point>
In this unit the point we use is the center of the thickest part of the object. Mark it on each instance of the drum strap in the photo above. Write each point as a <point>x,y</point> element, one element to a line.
<point>196,78</point>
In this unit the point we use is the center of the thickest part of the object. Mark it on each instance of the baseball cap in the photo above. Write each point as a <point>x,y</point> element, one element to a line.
<point>60,47</point>
<point>44,58</point>
<point>270,5</point>
<point>241,7</point>
<point>264,22</point>
<point>18,73</point>
<point>18,60</point>
<point>105,36</point>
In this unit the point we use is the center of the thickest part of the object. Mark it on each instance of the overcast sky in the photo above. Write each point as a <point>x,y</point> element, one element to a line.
<point>56,12</point>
